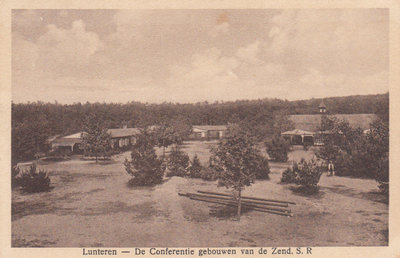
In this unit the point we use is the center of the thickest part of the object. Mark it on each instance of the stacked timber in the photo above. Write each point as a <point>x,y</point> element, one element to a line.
<point>277,207</point>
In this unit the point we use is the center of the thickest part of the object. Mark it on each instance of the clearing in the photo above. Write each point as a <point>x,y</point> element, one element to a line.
<point>91,205</point>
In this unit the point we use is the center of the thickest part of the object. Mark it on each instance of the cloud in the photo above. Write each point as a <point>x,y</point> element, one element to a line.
<point>195,55</point>
<point>250,53</point>
<point>25,54</point>
<point>65,51</point>
<point>337,41</point>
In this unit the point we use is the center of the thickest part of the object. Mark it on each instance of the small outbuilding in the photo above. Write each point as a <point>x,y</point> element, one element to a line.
<point>299,137</point>
<point>208,132</point>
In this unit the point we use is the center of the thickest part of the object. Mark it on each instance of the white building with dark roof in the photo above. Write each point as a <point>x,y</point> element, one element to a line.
<point>120,137</point>
<point>310,124</point>
<point>208,132</point>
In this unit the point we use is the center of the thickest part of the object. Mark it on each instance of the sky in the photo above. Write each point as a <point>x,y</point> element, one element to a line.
<point>190,56</point>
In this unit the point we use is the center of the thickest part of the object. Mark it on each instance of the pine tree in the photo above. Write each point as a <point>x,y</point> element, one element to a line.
<point>96,141</point>
<point>195,167</point>
<point>278,149</point>
<point>178,163</point>
<point>236,161</point>
<point>145,167</point>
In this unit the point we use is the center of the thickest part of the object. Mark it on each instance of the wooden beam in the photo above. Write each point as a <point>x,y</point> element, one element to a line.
<point>256,209</point>
<point>248,198</point>
<point>247,201</point>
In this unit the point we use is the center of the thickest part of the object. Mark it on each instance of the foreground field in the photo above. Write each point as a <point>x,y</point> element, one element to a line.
<point>92,205</point>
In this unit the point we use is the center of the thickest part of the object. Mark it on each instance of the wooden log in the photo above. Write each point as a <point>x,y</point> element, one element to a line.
<point>256,209</point>
<point>244,204</point>
<point>250,205</point>
<point>248,198</point>
<point>245,201</point>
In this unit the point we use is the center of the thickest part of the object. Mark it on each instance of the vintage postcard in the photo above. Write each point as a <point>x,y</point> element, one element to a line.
<point>200,129</point>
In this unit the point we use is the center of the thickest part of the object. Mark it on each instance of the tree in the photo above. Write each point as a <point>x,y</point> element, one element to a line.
<point>29,137</point>
<point>166,135</point>
<point>340,137</point>
<point>178,163</point>
<point>145,167</point>
<point>33,181</point>
<point>261,167</point>
<point>355,153</point>
<point>181,127</point>
<point>282,123</point>
<point>278,148</point>
<point>304,173</point>
<point>96,141</point>
<point>236,161</point>
<point>195,167</point>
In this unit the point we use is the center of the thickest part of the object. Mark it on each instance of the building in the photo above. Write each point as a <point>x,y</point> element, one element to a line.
<point>307,126</point>
<point>69,143</point>
<point>120,138</point>
<point>299,137</point>
<point>322,107</point>
<point>208,132</point>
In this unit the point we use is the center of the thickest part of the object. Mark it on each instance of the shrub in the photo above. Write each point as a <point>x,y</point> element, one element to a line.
<point>208,174</point>
<point>304,173</point>
<point>343,164</point>
<point>382,174</point>
<point>289,175</point>
<point>14,176</point>
<point>278,148</point>
<point>33,181</point>
<point>178,163</point>
<point>195,168</point>
<point>308,174</point>
<point>145,167</point>
<point>261,167</point>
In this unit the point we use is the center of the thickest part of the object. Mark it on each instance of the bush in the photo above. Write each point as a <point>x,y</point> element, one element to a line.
<point>289,175</point>
<point>308,174</point>
<point>208,174</point>
<point>382,174</point>
<point>33,181</point>
<point>14,176</point>
<point>304,173</point>
<point>145,167</point>
<point>261,167</point>
<point>178,163</point>
<point>195,168</point>
<point>278,149</point>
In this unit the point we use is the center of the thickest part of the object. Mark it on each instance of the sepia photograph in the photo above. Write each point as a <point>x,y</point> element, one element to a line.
<point>202,128</point>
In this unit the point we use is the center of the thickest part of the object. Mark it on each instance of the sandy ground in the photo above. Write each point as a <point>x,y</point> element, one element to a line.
<point>92,205</point>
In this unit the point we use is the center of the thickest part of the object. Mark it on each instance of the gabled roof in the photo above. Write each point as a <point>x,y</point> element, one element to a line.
<point>75,135</point>
<point>322,105</point>
<point>313,122</point>
<point>298,132</point>
<point>66,141</point>
<point>211,127</point>
<point>123,132</point>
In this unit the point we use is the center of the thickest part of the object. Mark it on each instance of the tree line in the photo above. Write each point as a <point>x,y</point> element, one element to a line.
<point>33,123</point>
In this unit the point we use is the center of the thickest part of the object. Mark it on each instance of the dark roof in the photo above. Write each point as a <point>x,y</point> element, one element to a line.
<point>123,132</point>
<point>322,105</point>
<point>77,137</point>
<point>313,122</point>
<point>211,127</point>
